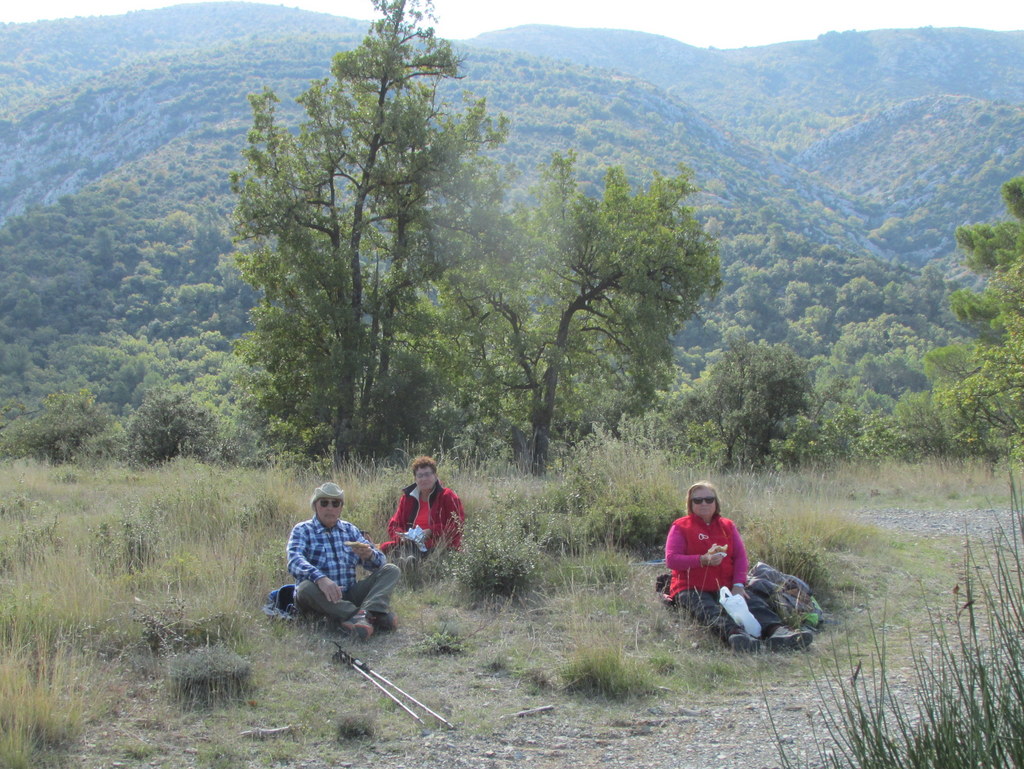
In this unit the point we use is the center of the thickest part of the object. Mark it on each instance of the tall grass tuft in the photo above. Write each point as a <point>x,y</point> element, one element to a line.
<point>966,705</point>
<point>39,709</point>
<point>207,676</point>
<point>598,568</point>
<point>602,669</point>
<point>621,493</point>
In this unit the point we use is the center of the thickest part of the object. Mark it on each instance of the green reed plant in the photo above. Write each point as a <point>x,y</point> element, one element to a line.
<point>965,707</point>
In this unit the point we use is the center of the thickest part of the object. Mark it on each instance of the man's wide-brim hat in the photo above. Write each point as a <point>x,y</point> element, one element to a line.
<point>327,491</point>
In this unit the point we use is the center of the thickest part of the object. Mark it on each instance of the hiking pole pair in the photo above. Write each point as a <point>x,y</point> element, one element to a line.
<point>386,686</point>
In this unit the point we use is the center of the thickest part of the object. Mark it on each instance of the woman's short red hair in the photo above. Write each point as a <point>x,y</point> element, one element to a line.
<point>423,461</point>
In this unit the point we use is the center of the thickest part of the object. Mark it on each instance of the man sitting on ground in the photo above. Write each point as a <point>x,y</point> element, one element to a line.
<point>323,554</point>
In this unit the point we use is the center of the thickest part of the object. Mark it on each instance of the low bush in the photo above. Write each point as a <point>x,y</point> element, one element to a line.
<point>444,638</point>
<point>71,427</point>
<point>497,559</point>
<point>359,725</point>
<point>170,423</point>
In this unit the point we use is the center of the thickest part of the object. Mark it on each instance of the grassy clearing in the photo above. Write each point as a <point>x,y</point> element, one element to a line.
<point>111,578</point>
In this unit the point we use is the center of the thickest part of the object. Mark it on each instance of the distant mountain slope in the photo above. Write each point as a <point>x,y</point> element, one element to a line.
<point>912,127</point>
<point>838,74</point>
<point>924,167</point>
<point>617,120</point>
<point>35,58</point>
<point>85,133</point>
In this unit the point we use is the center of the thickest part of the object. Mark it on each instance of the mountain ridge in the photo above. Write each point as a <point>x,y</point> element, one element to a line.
<point>835,229</point>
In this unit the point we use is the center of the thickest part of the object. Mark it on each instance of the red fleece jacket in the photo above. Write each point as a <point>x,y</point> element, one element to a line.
<point>689,538</point>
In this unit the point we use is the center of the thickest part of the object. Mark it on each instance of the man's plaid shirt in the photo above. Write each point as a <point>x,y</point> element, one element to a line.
<point>315,552</point>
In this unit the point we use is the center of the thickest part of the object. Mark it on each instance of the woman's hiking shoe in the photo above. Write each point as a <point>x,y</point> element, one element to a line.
<point>742,642</point>
<point>383,621</point>
<point>785,639</point>
<point>358,625</point>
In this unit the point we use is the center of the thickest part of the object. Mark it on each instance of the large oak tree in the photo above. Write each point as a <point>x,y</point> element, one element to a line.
<point>341,218</point>
<point>578,296</point>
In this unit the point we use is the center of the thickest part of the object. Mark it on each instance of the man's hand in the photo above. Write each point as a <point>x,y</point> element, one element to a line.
<point>330,589</point>
<point>363,550</point>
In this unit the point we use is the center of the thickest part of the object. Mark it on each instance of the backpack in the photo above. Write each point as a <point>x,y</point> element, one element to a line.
<point>789,596</point>
<point>281,603</point>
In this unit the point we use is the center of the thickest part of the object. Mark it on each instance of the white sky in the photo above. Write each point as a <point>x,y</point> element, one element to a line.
<point>703,23</point>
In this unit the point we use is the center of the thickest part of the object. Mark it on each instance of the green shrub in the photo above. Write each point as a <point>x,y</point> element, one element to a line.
<point>68,429</point>
<point>169,424</point>
<point>445,638</point>
<point>208,676</point>
<point>497,559</point>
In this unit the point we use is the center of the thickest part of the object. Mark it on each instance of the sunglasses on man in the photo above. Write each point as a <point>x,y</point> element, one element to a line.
<point>330,503</point>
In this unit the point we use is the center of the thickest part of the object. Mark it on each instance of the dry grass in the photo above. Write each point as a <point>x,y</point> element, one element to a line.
<point>107,572</point>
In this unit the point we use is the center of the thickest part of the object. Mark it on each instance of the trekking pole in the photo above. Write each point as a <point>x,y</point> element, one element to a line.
<point>382,683</point>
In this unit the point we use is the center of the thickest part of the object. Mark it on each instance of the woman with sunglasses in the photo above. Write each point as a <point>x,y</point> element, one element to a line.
<point>323,553</point>
<point>706,553</point>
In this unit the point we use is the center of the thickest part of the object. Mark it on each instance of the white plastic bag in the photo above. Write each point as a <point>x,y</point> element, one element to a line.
<point>419,536</point>
<point>736,606</point>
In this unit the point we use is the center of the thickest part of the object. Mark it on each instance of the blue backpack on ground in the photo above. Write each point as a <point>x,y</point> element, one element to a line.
<point>281,603</point>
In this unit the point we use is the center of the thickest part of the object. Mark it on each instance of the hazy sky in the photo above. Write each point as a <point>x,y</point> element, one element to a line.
<point>703,23</point>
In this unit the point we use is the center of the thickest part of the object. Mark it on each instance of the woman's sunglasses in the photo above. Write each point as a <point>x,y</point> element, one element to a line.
<point>702,500</point>
<point>330,502</point>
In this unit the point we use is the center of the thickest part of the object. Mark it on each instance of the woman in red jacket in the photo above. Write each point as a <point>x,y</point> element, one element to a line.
<point>428,515</point>
<point>705,553</point>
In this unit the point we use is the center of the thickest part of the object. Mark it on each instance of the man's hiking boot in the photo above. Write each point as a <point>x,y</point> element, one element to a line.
<point>785,639</point>
<point>358,625</point>
<point>383,621</point>
<point>743,642</point>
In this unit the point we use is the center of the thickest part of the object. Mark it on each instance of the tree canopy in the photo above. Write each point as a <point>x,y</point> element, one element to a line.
<point>984,382</point>
<point>579,296</point>
<point>340,216</point>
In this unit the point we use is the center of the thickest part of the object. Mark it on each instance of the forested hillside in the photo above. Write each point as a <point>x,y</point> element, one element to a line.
<point>46,56</point>
<point>915,128</point>
<point>830,172</point>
